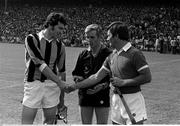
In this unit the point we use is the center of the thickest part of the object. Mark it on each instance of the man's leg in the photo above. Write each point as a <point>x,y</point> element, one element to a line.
<point>62,76</point>
<point>50,101</point>
<point>49,115</point>
<point>61,99</point>
<point>28,115</point>
<point>102,114</point>
<point>86,114</point>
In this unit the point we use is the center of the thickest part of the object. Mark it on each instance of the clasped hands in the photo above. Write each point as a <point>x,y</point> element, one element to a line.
<point>68,88</point>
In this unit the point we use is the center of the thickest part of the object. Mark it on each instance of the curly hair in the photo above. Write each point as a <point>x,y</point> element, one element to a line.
<point>53,19</point>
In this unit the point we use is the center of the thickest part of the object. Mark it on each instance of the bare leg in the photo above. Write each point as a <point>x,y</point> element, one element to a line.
<point>86,115</point>
<point>28,115</point>
<point>61,100</point>
<point>102,114</point>
<point>49,115</point>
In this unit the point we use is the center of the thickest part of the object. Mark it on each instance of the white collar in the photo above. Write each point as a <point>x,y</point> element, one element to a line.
<point>125,48</point>
<point>90,49</point>
<point>41,35</point>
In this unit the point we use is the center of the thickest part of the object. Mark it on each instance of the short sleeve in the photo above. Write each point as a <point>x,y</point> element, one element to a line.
<point>106,64</point>
<point>139,61</point>
<point>33,50</point>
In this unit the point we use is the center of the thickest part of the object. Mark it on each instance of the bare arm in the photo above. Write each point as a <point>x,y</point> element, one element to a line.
<point>141,66</point>
<point>62,76</point>
<point>93,79</point>
<point>35,55</point>
<point>49,74</point>
<point>143,78</point>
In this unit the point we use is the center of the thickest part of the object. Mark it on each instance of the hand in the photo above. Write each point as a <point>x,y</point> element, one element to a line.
<point>117,82</point>
<point>77,78</point>
<point>62,84</point>
<point>97,88</point>
<point>69,88</point>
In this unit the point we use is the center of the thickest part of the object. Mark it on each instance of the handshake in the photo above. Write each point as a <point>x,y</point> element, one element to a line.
<point>77,79</point>
<point>68,88</point>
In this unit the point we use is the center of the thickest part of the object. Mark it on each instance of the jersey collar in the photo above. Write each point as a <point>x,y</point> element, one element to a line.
<point>41,35</point>
<point>125,48</point>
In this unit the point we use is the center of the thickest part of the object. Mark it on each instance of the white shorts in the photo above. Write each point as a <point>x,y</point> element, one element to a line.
<point>41,95</point>
<point>136,105</point>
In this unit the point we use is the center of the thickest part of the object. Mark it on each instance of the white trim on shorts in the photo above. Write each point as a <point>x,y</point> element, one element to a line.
<point>136,103</point>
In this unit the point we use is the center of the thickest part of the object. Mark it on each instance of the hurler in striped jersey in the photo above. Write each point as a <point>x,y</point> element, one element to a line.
<point>45,70</point>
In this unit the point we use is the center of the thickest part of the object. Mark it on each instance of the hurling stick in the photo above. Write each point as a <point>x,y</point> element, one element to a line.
<point>133,121</point>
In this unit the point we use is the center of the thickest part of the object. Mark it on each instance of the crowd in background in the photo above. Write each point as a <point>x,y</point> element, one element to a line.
<point>151,28</point>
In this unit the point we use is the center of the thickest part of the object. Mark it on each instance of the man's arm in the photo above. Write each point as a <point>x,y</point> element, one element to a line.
<point>93,79</point>
<point>62,76</point>
<point>36,57</point>
<point>61,72</point>
<point>50,75</point>
<point>141,66</point>
<point>143,78</point>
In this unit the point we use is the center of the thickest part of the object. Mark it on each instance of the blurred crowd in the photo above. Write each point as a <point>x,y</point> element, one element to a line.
<point>151,28</point>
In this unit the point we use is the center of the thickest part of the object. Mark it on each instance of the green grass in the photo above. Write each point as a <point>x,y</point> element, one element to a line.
<point>161,95</point>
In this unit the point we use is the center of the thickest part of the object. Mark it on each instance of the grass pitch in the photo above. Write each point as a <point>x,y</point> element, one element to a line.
<point>161,95</point>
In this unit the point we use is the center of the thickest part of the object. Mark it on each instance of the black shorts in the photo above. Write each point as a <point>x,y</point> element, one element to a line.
<point>99,99</point>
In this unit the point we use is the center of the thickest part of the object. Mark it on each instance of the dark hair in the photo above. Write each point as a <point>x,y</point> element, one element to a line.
<point>119,28</point>
<point>53,19</point>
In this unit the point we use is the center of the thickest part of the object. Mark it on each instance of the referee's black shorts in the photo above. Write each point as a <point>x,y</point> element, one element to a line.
<point>99,99</point>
